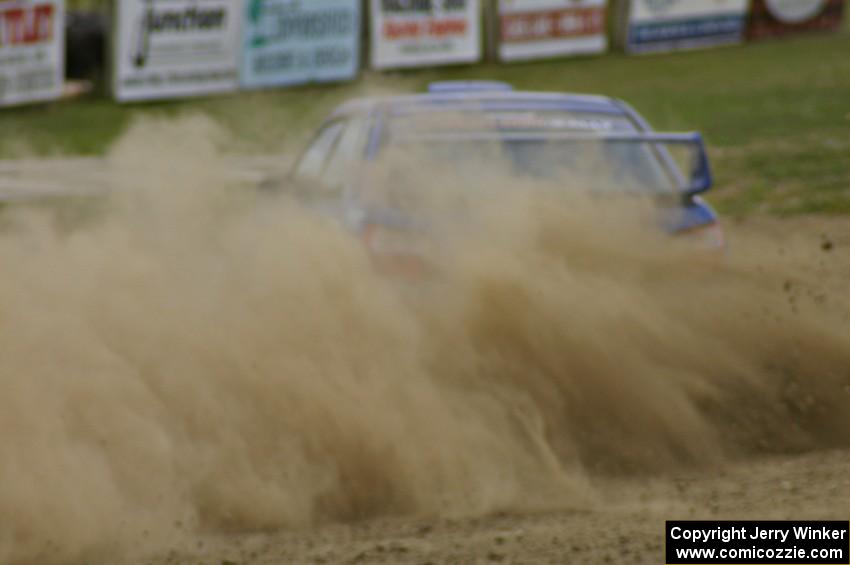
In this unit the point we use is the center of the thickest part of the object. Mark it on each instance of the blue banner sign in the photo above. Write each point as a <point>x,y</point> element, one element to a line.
<point>665,25</point>
<point>289,42</point>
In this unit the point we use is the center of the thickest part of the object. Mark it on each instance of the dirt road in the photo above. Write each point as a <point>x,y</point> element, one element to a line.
<point>625,524</point>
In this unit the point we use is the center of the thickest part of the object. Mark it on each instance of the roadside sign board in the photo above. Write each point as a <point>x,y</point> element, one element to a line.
<point>32,51</point>
<point>175,48</point>
<point>534,29</point>
<point>418,33</point>
<point>289,42</point>
<point>780,17</point>
<point>667,25</point>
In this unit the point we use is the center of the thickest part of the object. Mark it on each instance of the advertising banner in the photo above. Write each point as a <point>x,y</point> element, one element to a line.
<point>666,25</point>
<point>32,54</point>
<point>779,17</point>
<point>535,29</point>
<point>290,42</point>
<point>413,33</point>
<point>176,48</point>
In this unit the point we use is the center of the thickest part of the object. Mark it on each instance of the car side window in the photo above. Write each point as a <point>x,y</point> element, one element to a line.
<point>346,155</point>
<point>314,158</point>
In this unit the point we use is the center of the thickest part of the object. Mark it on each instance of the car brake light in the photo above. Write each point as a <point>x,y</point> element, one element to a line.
<point>396,253</point>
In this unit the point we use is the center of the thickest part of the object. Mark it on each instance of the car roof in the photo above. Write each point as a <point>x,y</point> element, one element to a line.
<point>487,100</point>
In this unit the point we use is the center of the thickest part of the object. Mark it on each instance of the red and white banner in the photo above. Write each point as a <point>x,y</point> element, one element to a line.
<point>533,29</point>
<point>779,17</point>
<point>425,32</point>
<point>32,61</point>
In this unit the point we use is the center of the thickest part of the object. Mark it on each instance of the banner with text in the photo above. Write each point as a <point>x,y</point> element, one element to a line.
<point>665,25</point>
<point>290,42</point>
<point>534,29</point>
<point>424,32</point>
<point>175,48</point>
<point>779,17</point>
<point>32,53</point>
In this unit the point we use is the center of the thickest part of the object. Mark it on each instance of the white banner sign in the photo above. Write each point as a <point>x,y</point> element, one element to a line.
<point>32,53</point>
<point>412,33</point>
<point>532,29</point>
<point>663,25</point>
<point>174,48</point>
<point>795,11</point>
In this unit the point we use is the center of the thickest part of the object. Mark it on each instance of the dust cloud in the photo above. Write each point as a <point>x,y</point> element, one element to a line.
<point>197,357</point>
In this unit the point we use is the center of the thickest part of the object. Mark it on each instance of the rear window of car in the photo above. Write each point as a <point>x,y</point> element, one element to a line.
<point>551,145</point>
<point>425,120</point>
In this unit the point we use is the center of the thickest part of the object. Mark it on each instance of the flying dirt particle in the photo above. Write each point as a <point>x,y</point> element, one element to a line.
<point>826,243</point>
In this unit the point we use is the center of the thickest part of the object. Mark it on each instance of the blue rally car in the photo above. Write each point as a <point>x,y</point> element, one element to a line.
<point>527,134</point>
